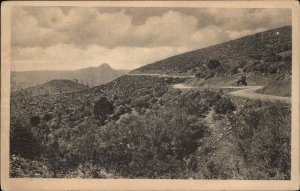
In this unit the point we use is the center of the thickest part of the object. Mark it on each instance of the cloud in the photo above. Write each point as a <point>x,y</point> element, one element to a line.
<point>27,32</point>
<point>245,19</point>
<point>85,36</point>
<point>82,27</point>
<point>86,26</point>
<point>65,56</point>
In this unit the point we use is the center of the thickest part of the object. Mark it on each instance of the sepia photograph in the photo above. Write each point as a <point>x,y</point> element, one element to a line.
<point>187,91</point>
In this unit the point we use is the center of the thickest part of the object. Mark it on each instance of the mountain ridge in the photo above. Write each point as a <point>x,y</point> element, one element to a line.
<point>91,76</point>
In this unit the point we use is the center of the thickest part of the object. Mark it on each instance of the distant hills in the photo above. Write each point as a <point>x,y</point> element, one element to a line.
<point>91,76</point>
<point>54,87</point>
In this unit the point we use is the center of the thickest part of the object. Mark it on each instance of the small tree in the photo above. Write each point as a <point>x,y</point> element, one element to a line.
<point>102,108</point>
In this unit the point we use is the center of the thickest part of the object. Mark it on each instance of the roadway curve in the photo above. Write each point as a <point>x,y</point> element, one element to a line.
<point>246,91</point>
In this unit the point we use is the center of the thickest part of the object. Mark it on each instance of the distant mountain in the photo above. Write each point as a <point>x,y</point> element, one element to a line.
<point>91,76</point>
<point>264,52</point>
<point>54,87</point>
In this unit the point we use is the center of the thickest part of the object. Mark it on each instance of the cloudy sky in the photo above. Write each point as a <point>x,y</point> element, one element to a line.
<point>63,38</point>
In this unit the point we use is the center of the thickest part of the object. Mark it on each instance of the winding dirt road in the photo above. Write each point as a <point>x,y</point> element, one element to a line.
<point>246,91</point>
<point>250,92</point>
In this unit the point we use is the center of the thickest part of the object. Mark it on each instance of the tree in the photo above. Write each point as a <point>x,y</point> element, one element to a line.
<point>102,108</point>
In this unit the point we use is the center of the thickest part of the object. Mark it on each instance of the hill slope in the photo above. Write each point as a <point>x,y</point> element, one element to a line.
<point>154,131</point>
<point>264,47</point>
<point>92,76</point>
<point>263,58</point>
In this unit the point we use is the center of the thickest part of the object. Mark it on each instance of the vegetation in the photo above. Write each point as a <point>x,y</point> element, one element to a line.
<point>149,131</point>
<point>102,109</point>
<point>141,127</point>
<point>263,137</point>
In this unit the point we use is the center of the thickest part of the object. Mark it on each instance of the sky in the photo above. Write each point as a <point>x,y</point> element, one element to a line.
<point>67,38</point>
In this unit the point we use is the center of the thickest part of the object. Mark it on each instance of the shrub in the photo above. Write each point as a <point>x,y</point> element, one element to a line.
<point>263,135</point>
<point>23,168</point>
<point>102,108</point>
<point>150,145</point>
<point>35,120</point>
<point>213,64</point>
<point>224,105</point>
<point>23,142</point>
<point>48,116</point>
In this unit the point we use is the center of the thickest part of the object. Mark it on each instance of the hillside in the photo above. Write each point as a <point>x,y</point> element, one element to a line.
<point>264,58</point>
<point>140,126</point>
<point>92,76</point>
<point>265,47</point>
<point>54,87</point>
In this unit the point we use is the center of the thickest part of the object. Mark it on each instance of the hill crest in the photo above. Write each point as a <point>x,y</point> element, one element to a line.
<point>232,55</point>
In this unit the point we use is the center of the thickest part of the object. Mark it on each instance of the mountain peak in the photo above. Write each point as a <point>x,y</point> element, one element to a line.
<point>105,65</point>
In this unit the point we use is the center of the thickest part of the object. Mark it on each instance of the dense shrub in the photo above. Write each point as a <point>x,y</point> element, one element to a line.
<point>23,142</point>
<point>273,58</point>
<point>151,145</point>
<point>35,120</point>
<point>48,117</point>
<point>102,108</point>
<point>263,135</point>
<point>224,105</point>
<point>25,168</point>
<point>213,64</point>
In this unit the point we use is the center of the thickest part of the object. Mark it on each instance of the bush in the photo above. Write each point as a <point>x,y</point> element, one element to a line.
<point>102,108</point>
<point>263,135</point>
<point>35,120</point>
<point>23,142</point>
<point>150,145</point>
<point>48,116</point>
<point>24,168</point>
<point>213,64</point>
<point>224,105</point>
